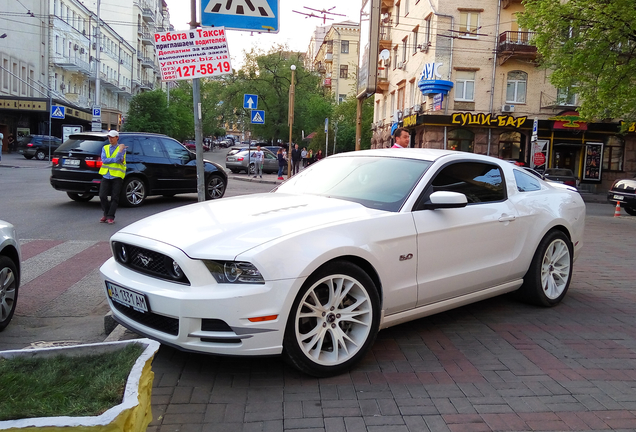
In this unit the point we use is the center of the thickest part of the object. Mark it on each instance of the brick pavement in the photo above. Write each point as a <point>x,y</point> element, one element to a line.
<point>498,365</point>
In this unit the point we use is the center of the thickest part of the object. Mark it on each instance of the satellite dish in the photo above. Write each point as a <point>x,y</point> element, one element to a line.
<point>385,54</point>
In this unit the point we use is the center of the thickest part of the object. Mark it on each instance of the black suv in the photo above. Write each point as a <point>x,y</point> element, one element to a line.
<point>38,146</point>
<point>155,165</point>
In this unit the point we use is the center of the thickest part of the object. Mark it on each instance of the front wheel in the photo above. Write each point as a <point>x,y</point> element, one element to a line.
<point>8,290</point>
<point>133,192</point>
<point>333,320</point>
<point>252,169</point>
<point>214,187</point>
<point>83,197</point>
<point>40,155</point>
<point>630,211</point>
<point>548,278</point>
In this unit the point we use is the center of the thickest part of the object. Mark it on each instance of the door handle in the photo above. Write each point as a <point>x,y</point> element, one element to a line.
<point>507,218</point>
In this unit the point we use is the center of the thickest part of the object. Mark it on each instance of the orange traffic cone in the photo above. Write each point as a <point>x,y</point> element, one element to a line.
<point>617,212</point>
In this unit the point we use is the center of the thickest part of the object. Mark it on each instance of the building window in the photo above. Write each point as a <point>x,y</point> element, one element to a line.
<point>516,87</point>
<point>461,140</point>
<point>511,146</point>
<point>427,30</point>
<point>613,154</point>
<point>341,98</point>
<point>405,43</point>
<point>566,96</point>
<point>406,7</point>
<point>395,56</point>
<point>344,71</point>
<point>344,47</point>
<point>397,14</point>
<point>5,74</point>
<point>414,38</point>
<point>468,23</point>
<point>400,98</point>
<point>465,86</point>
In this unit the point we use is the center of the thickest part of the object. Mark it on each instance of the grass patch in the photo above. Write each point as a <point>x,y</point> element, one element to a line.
<point>64,386</point>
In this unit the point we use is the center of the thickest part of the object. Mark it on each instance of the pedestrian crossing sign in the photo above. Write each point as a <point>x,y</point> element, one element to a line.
<point>252,15</point>
<point>258,117</point>
<point>58,112</point>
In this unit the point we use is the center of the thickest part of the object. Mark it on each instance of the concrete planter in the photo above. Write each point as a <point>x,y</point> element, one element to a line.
<point>132,415</point>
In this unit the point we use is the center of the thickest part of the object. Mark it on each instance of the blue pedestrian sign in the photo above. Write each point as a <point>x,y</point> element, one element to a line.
<point>258,117</point>
<point>253,15</point>
<point>58,112</point>
<point>250,101</point>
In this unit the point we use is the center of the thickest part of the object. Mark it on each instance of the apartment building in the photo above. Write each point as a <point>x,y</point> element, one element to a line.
<point>462,75</point>
<point>336,59</point>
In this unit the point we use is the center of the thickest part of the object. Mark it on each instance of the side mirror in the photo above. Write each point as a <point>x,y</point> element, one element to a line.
<point>441,200</point>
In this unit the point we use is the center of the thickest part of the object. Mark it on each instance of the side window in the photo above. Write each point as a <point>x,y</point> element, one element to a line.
<point>269,156</point>
<point>150,146</point>
<point>131,143</point>
<point>175,150</point>
<point>526,182</point>
<point>480,182</point>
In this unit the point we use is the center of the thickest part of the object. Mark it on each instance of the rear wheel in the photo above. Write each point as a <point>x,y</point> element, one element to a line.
<point>8,290</point>
<point>333,320</point>
<point>214,187</point>
<point>630,211</point>
<point>550,273</point>
<point>252,170</point>
<point>133,192</point>
<point>84,197</point>
<point>40,155</point>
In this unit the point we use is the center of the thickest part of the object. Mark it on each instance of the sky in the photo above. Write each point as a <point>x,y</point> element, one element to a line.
<point>295,30</point>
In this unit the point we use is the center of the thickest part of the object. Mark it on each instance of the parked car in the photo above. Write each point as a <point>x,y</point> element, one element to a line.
<point>378,238</point>
<point>192,145</point>
<point>623,191</point>
<point>561,175</point>
<point>243,160</point>
<point>38,146</point>
<point>10,271</point>
<point>155,165</point>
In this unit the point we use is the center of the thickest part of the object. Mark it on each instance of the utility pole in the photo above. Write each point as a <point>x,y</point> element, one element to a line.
<point>198,129</point>
<point>98,47</point>
<point>290,117</point>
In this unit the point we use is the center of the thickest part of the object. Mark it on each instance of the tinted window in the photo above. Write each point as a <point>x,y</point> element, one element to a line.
<point>77,144</point>
<point>175,150</point>
<point>480,182</point>
<point>150,146</point>
<point>526,182</point>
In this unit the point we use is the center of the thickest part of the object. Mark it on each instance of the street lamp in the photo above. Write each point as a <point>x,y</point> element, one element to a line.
<point>290,119</point>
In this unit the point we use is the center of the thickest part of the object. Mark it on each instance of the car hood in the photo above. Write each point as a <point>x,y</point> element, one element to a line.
<point>223,229</point>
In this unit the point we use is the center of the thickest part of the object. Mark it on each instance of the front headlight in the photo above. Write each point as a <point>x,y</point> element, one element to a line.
<point>234,272</point>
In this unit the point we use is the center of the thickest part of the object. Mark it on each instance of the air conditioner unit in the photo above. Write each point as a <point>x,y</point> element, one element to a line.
<point>398,115</point>
<point>417,108</point>
<point>82,50</point>
<point>62,86</point>
<point>381,123</point>
<point>507,108</point>
<point>75,47</point>
<point>407,111</point>
<point>399,65</point>
<point>374,126</point>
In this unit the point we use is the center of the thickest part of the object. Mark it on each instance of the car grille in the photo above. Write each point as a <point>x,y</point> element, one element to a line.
<point>148,262</point>
<point>157,322</point>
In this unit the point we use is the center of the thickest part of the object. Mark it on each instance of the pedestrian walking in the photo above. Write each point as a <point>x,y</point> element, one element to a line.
<point>303,154</point>
<point>296,158</point>
<point>11,143</point>
<point>319,155</point>
<point>281,163</point>
<point>259,157</point>
<point>113,171</point>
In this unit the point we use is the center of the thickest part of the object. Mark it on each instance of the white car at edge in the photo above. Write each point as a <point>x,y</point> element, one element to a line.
<point>358,242</point>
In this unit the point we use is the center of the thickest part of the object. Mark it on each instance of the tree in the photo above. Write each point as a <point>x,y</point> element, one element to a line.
<point>148,112</point>
<point>590,47</point>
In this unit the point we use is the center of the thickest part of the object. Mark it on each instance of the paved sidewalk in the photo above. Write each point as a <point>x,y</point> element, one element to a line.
<point>498,365</point>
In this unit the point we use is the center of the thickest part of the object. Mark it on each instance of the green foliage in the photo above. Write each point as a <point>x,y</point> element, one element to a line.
<point>148,113</point>
<point>64,386</point>
<point>589,46</point>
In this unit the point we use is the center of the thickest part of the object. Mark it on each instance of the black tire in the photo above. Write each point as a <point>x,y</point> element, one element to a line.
<point>252,169</point>
<point>133,192</point>
<point>630,211</point>
<point>9,281</point>
<point>550,273</point>
<point>355,329</point>
<point>40,155</point>
<point>84,197</point>
<point>214,187</point>
<point>28,156</point>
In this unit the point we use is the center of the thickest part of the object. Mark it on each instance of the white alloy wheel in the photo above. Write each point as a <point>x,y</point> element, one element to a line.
<point>8,290</point>
<point>134,192</point>
<point>556,269</point>
<point>334,320</point>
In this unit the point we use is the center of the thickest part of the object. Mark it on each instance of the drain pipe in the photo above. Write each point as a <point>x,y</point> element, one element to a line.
<point>494,71</point>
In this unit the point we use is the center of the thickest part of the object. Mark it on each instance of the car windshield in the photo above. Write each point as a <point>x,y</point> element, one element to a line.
<point>376,182</point>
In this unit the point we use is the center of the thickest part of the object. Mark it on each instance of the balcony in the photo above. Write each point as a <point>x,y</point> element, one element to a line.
<point>516,44</point>
<point>146,38</point>
<point>386,5</point>
<point>73,64</point>
<point>147,85</point>
<point>147,62</point>
<point>385,37</point>
<point>329,58</point>
<point>148,15</point>
<point>382,85</point>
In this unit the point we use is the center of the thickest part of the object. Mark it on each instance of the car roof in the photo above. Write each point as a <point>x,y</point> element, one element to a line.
<point>103,135</point>
<point>419,153</point>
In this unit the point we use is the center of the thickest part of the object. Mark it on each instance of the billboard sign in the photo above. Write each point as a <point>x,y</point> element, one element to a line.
<point>196,53</point>
<point>368,48</point>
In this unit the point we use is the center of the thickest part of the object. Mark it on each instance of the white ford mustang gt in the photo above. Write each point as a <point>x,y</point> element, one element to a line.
<point>353,244</point>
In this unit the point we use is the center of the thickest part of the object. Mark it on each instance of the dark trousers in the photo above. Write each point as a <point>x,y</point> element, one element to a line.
<point>295,166</point>
<point>112,188</point>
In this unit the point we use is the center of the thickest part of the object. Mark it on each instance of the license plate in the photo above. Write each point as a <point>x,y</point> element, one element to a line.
<point>618,197</point>
<point>231,159</point>
<point>127,297</point>
<point>71,162</point>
